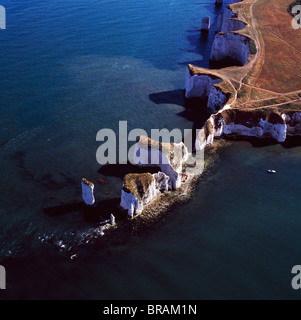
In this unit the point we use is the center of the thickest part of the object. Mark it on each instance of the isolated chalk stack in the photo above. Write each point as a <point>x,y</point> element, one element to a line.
<point>88,192</point>
<point>205,25</point>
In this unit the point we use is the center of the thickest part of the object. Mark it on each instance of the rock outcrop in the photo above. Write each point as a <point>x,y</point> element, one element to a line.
<point>230,49</point>
<point>202,86</point>
<point>205,25</point>
<point>227,22</point>
<point>216,100</point>
<point>140,189</point>
<point>169,157</point>
<point>253,124</point>
<point>260,124</point>
<point>293,123</point>
<point>234,122</point>
<point>88,192</point>
<point>205,136</point>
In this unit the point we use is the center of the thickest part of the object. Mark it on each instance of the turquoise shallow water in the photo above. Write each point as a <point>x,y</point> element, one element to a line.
<point>69,69</point>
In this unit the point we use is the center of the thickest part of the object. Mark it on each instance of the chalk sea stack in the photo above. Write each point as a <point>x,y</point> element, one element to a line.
<point>88,192</point>
<point>205,25</point>
<point>139,189</point>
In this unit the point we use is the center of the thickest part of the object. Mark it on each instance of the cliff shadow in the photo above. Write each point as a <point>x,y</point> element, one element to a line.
<point>100,212</point>
<point>120,170</point>
<point>292,142</point>
<point>225,63</point>
<point>196,112</point>
<point>64,209</point>
<point>254,141</point>
<point>195,108</point>
<point>201,42</point>
<point>103,209</point>
<point>169,97</point>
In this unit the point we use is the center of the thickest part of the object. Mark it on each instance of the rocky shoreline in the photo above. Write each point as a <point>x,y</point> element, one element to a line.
<point>236,52</point>
<point>233,46</point>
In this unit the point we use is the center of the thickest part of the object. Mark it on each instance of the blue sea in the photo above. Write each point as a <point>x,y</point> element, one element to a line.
<point>67,70</point>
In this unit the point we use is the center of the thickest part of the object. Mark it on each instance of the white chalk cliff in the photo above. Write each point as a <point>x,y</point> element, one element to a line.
<point>140,189</point>
<point>202,86</point>
<point>230,47</point>
<point>169,157</point>
<point>227,21</point>
<point>235,122</point>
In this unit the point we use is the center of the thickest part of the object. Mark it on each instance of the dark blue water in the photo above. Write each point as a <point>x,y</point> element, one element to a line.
<point>69,69</point>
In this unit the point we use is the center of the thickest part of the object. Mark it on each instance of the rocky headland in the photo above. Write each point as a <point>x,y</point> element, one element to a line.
<point>253,89</point>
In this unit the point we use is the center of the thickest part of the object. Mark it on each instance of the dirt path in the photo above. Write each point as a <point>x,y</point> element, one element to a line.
<point>260,54</point>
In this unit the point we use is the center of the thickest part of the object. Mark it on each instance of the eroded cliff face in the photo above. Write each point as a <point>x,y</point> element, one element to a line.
<point>293,123</point>
<point>233,122</point>
<point>227,21</point>
<point>202,86</point>
<point>205,136</point>
<point>169,157</point>
<point>253,124</point>
<point>140,189</point>
<point>230,49</point>
<point>216,100</point>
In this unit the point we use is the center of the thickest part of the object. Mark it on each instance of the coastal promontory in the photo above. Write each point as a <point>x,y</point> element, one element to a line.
<point>254,85</point>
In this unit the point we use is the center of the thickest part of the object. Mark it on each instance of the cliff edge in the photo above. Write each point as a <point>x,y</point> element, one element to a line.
<point>255,86</point>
